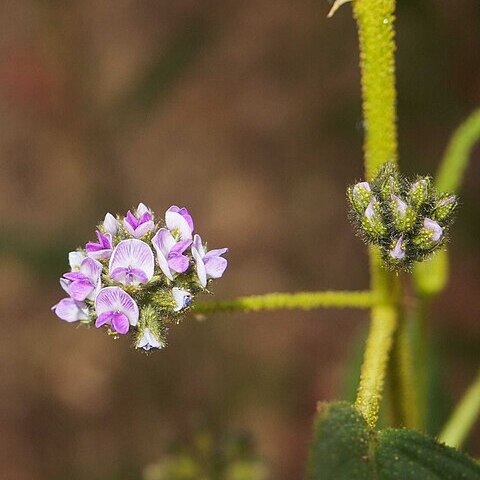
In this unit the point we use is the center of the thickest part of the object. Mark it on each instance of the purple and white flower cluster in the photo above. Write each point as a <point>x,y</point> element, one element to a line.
<point>407,220</point>
<point>140,276</point>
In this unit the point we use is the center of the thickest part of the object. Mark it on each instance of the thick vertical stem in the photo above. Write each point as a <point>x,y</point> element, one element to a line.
<point>375,22</point>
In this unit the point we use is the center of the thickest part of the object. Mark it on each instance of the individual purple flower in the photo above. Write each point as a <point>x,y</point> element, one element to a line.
<point>70,310</point>
<point>435,229</point>
<point>179,220</point>
<point>209,264</point>
<point>398,251</point>
<point>182,298</point>
<point>85,282</point>
<point>101,249</point>
<point>149,340</point>
<point>132,262</point>
<point>170,253</point>
<point>141,223</point>
<point>110,224</point>
<point>116,308</point>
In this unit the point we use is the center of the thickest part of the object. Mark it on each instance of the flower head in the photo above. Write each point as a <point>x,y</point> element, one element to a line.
<point>407,221</point>
<point>138,278</point>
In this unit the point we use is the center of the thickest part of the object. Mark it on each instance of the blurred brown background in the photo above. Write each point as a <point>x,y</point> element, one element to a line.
<point>248,113</point>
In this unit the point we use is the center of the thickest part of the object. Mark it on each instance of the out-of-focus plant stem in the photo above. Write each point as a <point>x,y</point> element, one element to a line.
<point>288,301</point>
<point>375,22</point>
<point>404,377</point>
<point>463,418</point>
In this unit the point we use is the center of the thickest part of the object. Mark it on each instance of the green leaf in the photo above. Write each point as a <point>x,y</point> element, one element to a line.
<point>340,448</point>
<point>345,448</point>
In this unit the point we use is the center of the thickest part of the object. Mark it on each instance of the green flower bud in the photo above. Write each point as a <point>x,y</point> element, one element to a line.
<point>359,196</point>
<point>372,221</point>
<point>404,216</point>
<point>387,181</point>
<point>419,192</point>
<point>429,236</point>
<point>444,208</point>
<point>397,249</point>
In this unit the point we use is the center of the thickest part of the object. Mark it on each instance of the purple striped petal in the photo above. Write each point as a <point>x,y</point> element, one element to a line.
<point>163,241</point>
<point>71,311</point>
<point>133,255</point>
<point>120,323</point>
<point>216,252</point>
<point>129,276</point>
<point>102,249</point>
<point>114,299</point>
<point>178,263</point>
<point>131,219</point>
<point>215,266</point>
<point>143,228</point>
<point>91,268</point>
<point>81,289</point>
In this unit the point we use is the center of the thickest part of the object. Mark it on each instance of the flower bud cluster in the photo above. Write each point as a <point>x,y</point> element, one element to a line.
<point>140,276</point>
<point>407,220</point>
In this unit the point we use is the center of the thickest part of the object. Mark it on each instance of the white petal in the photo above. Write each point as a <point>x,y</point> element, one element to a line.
<point>75,259</point>
<point>201,272</point>
<point>110,224</point>
<point>197,243</point>
<point>179,296</point>
<point>141,209</point>
<point>70,310</point>
<point>149,340</point>
<point>175,221</point>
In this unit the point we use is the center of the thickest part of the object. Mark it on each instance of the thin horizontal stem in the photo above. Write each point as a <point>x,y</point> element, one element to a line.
<point>289,301</point>
<point>463,418</point>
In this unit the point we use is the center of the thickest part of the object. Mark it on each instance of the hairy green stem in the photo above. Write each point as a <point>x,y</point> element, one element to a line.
<point>463,418</point>
<point>288,301</point>
<point>375,22</point>
<point>376,33</point>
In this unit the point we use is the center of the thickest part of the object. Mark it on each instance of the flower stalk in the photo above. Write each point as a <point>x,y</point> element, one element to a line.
<point>375,23</point>
<point>289,301</point>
